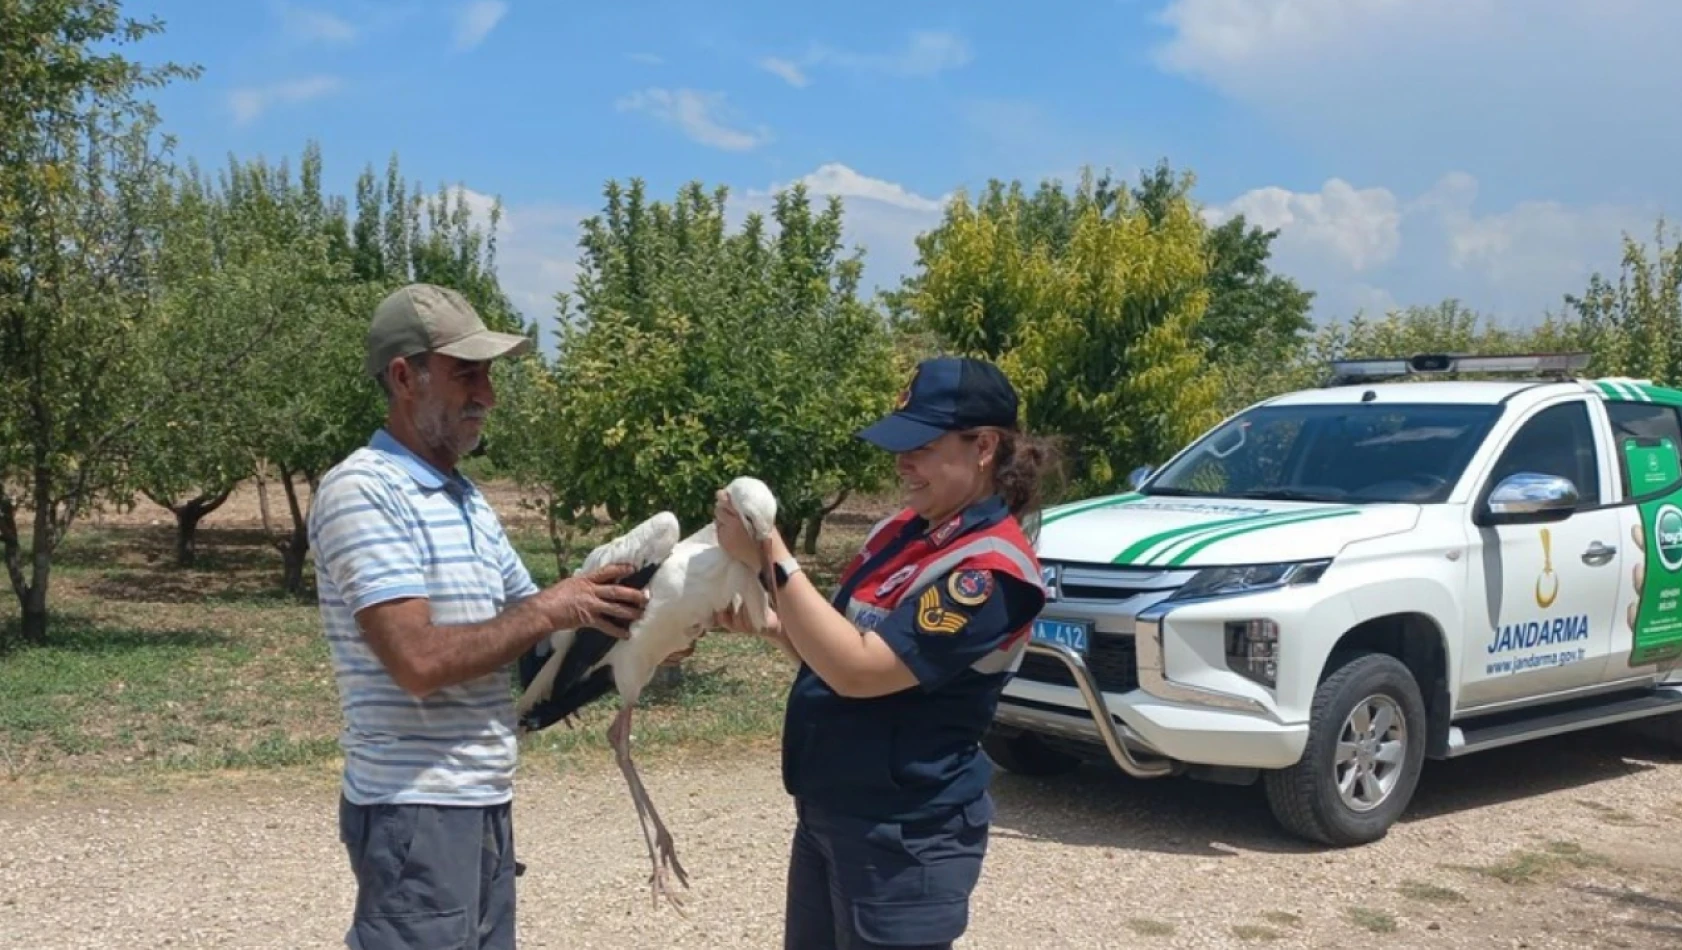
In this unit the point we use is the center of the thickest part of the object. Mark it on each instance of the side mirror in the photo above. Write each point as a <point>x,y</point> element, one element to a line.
<point>1528,497</point>
<point>1139,476</point>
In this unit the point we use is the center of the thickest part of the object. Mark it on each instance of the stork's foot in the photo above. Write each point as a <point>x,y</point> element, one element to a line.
<point>661,888</point>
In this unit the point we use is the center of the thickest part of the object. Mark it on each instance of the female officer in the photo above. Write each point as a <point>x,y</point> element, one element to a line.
<point>900,673</point>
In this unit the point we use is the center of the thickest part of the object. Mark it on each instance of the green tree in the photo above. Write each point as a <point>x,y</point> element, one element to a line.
<point>695,356</point>
<point>80,175</point>
<point>1634,326</point>
<point>1446,327</point>
<point>1251,309</point>
<point>1091,305</point>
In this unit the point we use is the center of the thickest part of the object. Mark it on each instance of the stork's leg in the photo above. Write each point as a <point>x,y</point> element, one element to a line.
<point>619,736</point>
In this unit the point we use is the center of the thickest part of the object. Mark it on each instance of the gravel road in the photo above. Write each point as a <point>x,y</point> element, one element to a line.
<point>1090,861</point>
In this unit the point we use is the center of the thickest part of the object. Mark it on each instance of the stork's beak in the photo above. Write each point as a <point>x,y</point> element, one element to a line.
<point>765,571</point>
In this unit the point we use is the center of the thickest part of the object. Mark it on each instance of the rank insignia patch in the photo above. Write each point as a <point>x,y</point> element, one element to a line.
<point>944,533</point>
<point>970,588</point>
<point>935,617</point>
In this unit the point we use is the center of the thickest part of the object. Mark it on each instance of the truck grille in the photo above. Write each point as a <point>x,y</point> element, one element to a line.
<point>1113,660</point>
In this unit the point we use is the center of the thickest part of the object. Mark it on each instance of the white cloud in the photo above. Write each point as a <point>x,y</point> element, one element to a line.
<point>787,69</point>
<point>882,217</point>
<point>703,116</point>
<point>315,25</point>
<point>925,53</point>
<point>1370,249</point>
<point>834,178</point>
<point>475,21</point>
<point>1529,95</point>
<point>250,102</point>
<point>1361,227</point>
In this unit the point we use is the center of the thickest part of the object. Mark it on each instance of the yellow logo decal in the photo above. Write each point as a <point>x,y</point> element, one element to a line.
<point>1552,580</point>
<point>933,617</point>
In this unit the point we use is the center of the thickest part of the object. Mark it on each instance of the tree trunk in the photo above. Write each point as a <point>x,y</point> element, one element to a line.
<point>187,517</point>
<point>261,471</point>
<point>13,552</point>
<point>296,546</point>
<point>41,554</point>
<point>809,542</point>
<point>34,601</point>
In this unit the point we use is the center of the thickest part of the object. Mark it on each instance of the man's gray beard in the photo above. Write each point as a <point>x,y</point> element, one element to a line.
<point>434,428</point>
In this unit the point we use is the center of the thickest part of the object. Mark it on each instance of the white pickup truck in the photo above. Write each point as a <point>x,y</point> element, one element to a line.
<point>1336,584</point>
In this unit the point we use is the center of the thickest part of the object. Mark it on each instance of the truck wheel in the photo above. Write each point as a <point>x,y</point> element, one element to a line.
<point>1025,754</point>
<point>1366,746</point>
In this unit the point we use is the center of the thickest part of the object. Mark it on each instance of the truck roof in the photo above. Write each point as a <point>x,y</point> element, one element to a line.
<point>1463,392</point>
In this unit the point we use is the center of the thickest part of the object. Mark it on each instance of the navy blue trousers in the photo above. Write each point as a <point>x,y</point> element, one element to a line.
<point>430,876</point>
<point>855,883</point>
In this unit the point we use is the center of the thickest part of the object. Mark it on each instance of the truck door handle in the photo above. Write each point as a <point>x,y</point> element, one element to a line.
<point>1598,554</point>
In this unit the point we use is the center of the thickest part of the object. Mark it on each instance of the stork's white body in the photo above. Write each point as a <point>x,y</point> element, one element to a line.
<point>696,579</point>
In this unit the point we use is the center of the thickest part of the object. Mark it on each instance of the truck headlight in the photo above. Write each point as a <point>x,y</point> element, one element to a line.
<point>1249,579</point>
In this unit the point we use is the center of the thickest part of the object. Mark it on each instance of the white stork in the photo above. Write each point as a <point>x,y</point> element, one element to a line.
<point>688,582</point>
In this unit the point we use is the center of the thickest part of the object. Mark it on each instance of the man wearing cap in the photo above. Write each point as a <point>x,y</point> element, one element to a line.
<point>425,604</point>
<point>901,670</point>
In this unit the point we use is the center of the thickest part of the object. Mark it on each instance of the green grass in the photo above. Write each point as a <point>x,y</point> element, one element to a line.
<point>149,667</point>
<point>1430,893</point>
<point>1376,921</point>
<point>1530,866</point>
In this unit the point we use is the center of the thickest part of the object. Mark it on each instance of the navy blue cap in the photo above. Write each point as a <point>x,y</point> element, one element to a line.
<point>946,394</point>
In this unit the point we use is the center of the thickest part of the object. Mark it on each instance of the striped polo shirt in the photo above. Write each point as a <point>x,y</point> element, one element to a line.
<point>384,525</point>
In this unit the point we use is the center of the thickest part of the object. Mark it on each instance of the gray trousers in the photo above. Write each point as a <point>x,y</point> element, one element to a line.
<point>430,876</point>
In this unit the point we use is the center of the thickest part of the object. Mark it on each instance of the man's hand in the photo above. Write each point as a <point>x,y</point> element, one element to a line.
<point>594,600</point>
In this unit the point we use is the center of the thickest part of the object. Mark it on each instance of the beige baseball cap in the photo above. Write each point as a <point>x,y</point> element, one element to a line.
<point>422,317</point>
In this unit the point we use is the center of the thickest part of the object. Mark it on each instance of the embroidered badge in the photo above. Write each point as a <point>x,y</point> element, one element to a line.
<point>895,579</point>
<point>970,588</point>
<point>945,532</point>
<point>935,617</point>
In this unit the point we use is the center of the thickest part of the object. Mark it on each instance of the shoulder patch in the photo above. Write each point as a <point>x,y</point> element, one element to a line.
<point>970,587</point>
<point>933,616</point>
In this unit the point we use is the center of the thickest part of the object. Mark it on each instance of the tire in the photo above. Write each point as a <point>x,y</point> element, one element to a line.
<point>1664,731</point>
<point>1306,798</point>
<point>1025,754</point>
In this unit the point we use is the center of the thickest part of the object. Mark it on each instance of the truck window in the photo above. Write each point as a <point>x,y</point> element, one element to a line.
<point>1335,452</point>
<point>1559,440</point>
<point>1649,422</point>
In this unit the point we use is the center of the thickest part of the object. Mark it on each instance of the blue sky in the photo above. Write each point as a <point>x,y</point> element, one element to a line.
<point>1408,150</point>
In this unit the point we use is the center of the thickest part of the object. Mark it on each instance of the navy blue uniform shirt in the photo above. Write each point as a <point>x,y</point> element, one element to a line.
<point>914,755</point>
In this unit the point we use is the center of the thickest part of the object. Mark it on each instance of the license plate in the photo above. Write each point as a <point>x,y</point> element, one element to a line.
<point>1075,635</point>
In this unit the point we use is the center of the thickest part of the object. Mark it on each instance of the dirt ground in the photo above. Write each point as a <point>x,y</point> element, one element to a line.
<point>1563,843</point>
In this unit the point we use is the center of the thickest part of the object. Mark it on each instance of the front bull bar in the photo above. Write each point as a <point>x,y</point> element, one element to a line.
<point>1100,710</point>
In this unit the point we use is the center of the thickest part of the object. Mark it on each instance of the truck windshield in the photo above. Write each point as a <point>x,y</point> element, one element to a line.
<point>1345,453</point>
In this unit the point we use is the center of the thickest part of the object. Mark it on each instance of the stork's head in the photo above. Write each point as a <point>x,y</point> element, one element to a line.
<point>757,507</point>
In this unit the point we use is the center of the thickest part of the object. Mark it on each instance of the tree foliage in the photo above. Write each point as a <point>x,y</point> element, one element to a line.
<point>1091,303</point>
<point>1634,325</point>
<point>80,183</point>
<point>695,355</point>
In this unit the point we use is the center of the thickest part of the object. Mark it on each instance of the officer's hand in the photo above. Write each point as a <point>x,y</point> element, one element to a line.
<point>732,534</point>
<point>735,620</point>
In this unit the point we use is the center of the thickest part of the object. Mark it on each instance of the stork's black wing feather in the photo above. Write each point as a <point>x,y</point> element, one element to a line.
<point>573,690</point>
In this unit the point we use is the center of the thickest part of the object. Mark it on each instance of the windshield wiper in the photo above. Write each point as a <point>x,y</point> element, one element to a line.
<point>1283,494</point>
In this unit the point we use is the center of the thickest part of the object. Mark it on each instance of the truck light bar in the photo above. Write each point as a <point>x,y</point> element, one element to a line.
<point>1523,364</point>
